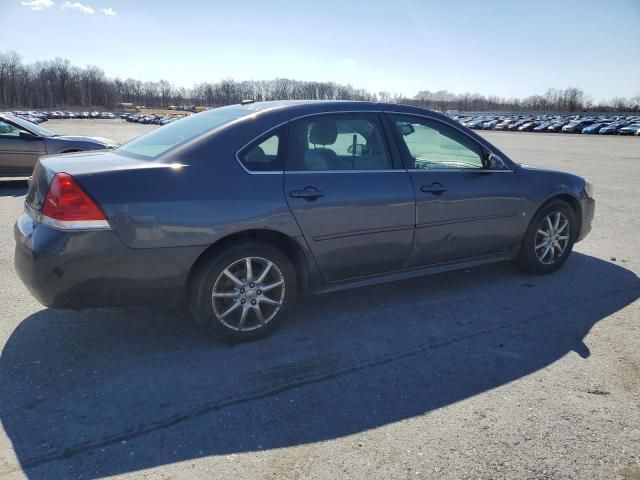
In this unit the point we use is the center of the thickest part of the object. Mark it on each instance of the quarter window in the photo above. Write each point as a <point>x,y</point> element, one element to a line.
<point>264,155</point>
<point>339,142</point>
<point>434,145</point>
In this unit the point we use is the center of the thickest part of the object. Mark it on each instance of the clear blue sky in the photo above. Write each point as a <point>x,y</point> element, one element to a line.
<point>506,48</point>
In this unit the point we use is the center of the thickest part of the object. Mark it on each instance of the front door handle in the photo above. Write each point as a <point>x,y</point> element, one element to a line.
<point>309,193</point>
<point>436,188</point>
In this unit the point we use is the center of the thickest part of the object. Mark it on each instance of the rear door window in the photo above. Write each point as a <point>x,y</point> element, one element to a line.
<point>350,141</point>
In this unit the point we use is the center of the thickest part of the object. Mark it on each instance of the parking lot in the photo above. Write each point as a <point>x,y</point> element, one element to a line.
<point>485,373</point>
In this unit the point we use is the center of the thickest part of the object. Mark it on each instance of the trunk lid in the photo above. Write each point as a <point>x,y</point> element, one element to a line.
<point>77,165</point>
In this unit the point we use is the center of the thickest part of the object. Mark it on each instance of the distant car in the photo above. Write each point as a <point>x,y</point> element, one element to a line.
<point>576,126</point>
<point>518,124</point>
<point>529,126</point>
<point>593,129</point>
<point>475,124</point>
<point>504,124</point>
<point>612,128</point>
<point>23,142</point>
<point>629,129</point>
<point>542,127</point>
<point>557,126</point>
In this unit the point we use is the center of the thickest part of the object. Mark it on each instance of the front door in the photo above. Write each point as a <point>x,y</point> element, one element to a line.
<point>465,208</point>
<point>353,202</point>
<point>18,151</point>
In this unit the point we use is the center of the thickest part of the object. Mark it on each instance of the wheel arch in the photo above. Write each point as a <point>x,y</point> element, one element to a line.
<point>274,238</point>
<point>567,198</point>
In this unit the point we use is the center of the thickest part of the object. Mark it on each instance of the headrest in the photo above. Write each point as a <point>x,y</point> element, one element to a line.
<point>256,155</point>
<point>324,132</point>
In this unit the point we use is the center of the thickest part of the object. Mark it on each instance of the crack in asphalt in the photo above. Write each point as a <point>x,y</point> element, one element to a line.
<point>296,382</point>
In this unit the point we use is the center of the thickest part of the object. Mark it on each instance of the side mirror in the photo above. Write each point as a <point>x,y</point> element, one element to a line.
<point>494,162</point>
<point>359,149</point>
<point>406,129</point>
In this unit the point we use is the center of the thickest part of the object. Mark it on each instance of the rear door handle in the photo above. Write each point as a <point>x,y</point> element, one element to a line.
<point>436,188</point>
<point>309,193</point>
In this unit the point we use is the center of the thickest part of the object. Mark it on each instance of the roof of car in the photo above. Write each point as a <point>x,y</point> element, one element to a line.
<point>304,107</point>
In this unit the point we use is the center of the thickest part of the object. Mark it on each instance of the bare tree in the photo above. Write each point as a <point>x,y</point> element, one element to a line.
<point>59,84</point>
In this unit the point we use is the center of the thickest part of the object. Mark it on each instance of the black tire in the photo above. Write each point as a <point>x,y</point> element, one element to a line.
<point>201,289</point>
<point>528,260</point>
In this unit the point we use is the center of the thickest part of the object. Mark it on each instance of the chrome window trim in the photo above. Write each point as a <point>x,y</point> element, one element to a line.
<point>462,170</point>
<point>385,170</point>
<point>339,112</point>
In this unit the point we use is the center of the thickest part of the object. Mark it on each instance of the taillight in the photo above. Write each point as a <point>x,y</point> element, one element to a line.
<point>67,206</point>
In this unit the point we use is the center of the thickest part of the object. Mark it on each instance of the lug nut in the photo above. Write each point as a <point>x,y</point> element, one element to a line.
<point>242,290</point>
<point>252,285</point>
<point>259,292</point>
<point>242,301</point>
<point>253,302</point>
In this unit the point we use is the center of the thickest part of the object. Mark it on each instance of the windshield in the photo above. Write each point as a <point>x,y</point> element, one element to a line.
<point>156,143</point>
<point>32,127</point>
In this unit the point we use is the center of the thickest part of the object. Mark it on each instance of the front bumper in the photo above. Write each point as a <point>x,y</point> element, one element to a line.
<point>95,269</point>
<point>587,210</point>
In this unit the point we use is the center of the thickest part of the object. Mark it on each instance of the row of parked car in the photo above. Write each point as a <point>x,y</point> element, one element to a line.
<point>42,116</point>
<point>603,125</point>
<point>152,119</point>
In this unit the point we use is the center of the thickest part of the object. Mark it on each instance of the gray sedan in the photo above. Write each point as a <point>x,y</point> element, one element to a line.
<point>238,209</point>
<point>23,142</point>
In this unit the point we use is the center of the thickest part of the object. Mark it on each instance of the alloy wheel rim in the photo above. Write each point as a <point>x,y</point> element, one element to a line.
<point>552,238</point>
<point>248,294</point>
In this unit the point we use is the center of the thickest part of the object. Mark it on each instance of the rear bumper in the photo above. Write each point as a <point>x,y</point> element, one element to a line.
<point>95,269</point>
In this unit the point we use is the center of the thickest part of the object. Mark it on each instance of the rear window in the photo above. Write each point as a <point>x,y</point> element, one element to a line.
<point>158,142</point>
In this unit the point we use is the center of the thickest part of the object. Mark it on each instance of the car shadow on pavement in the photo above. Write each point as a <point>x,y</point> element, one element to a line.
<point>13,187</point>
<point>109,391</point>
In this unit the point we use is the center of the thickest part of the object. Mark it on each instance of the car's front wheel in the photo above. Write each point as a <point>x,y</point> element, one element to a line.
<point>244,292</point>
<point>549,238</point>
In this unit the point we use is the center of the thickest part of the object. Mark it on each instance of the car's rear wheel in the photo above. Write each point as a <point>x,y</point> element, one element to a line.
<point>244,292</point>
<point>549,239</point>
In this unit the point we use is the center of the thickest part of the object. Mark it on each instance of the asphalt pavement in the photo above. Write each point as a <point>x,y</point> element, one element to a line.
<point>482,373</point>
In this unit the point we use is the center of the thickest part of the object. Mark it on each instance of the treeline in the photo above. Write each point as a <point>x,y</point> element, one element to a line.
<point>59,84</point>
<point>553,100</point>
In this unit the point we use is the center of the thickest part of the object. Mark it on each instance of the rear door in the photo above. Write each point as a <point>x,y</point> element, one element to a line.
<point>18,152</point>
<point>464,208</point>
<point>350,196</point>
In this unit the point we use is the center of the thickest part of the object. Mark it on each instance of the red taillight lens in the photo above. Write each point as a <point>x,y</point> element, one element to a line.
<point>67,202</point>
